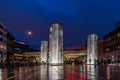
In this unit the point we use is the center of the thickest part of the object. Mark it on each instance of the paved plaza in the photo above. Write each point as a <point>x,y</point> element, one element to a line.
<point>66,72</point>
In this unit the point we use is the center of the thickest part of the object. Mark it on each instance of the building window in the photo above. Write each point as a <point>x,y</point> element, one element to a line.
<point>107,49</point>
<point>109,38</point>
<point>4,47</point>
<point>1,39</point>
<point>1,46</point>
<point>118,46</point>
<point>1,26</point>
<point>1,33</point>
<point>119,34</point>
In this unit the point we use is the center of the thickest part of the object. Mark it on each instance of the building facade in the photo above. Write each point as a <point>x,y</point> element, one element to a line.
<point>21,47</point>
<point>56,44</point>
<point>10,46</point>
<point>111,47</point>
<point>3,42</point>
<point>100,49</point>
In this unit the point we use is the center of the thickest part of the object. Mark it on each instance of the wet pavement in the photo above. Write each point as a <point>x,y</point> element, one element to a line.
<point>66,72</point>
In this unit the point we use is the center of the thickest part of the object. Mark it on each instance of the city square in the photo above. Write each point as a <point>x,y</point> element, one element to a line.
<point>59,40</point>
<point>66,72</point>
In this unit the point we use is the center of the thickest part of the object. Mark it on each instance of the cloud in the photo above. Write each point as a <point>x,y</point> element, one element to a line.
<point>68,7</point>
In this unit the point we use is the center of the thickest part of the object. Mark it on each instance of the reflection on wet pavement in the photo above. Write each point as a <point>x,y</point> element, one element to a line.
<point>66,72</point>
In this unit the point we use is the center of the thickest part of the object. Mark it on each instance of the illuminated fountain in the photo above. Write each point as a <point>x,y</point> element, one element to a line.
<point>92,51</point>
<point>44,47</point>
<point>56,44</point>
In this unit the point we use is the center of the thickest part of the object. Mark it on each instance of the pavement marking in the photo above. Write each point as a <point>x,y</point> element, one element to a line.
<point>29,77</point>
<point>11,77</point>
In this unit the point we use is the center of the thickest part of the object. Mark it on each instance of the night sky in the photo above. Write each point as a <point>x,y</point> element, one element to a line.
<point>79,18</point>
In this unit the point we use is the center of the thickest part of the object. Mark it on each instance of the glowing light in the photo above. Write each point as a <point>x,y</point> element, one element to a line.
<point>20,42</point>
<point>29,33</point>
<point>44,46</point>
<point>56,44</point>
<point>92,48</point>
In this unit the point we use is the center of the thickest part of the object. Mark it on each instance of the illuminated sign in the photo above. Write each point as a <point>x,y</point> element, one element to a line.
<point>21,42</point>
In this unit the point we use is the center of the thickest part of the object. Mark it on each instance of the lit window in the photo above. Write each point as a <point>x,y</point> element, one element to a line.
<point>1,46</point>
<point>119,34</point>
<point>118,46</point>
<point>107,49</point>
<point>4,47</point>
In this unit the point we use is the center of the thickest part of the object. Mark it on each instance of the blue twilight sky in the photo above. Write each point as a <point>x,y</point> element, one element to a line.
<point>79,17</point>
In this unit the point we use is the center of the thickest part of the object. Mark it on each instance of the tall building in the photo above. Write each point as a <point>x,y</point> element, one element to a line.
<point>92,52</point>
<point>3,42</point>
<point>56,44</point>
<point>10,46</point>
<point>44,47</point>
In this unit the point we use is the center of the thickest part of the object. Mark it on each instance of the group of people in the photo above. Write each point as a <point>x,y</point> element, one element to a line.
<point>18,63</point>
